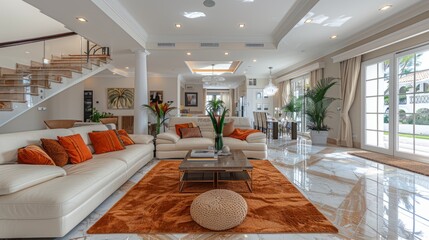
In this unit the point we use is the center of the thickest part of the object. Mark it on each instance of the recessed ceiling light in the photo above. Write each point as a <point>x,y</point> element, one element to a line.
<point>127,68</point>
<point>333,36</point>
<point>194,14</point>
<point>82,19</point>
<point>188,53</point>
<point>384,8</point>
<point>254,60</point>
<point>308,20</point>
<point>226,53</point>
<point>178,25</point>
<point>241,25</point>
<point>27,52</point>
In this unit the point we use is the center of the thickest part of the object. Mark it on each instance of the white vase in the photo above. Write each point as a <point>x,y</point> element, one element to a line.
<point>319,137</point>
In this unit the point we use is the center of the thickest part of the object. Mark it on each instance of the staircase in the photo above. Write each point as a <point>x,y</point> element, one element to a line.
<point>27,86</point>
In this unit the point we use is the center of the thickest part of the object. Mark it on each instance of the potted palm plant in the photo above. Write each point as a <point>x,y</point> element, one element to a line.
<point>215,105</point>
<point>317,110</point>
<point>160,110</point>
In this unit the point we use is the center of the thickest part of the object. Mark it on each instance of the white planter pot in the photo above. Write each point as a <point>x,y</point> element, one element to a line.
<point>319,137</point>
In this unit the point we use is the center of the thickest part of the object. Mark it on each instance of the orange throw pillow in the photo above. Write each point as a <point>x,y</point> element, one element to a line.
<point>228,128</point>
<point>126,139</point>
<point>183,125</point>
<point>33,154</point>
<point>57,152</point>
<point>105,141</point>
<point>76,148</point>
<point>242,134</point>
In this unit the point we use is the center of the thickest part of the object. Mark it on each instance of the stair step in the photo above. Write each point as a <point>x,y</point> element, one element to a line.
<point>6,71</point>
<point>24,85</point>
<point>6,106</point>
<point>28,93</point>
<point>76,61</point>
<point>20,100</point>
<point>71,65</point>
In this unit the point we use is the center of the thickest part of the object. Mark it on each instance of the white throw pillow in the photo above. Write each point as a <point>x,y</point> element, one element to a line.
<point>141,139</point>
<point>257,138</point>
<point>168,136</point>
<point>15,177</point>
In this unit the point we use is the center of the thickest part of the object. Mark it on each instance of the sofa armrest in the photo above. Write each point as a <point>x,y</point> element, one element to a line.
<point>168,136</point>
<point>141,139</point>
<point>257,138</point>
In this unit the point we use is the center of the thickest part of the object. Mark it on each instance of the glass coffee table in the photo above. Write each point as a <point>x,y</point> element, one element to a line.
<point>234,167</point>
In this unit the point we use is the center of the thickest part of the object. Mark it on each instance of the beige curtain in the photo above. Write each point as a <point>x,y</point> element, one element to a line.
<point>279,96</point>
<point>315,76</point>
<point>349,70</point>
<point>286,92</point>
<point>204,100</point>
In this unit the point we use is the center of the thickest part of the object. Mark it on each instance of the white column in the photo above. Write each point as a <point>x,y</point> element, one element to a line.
<point>178,96</point>
<point>141,94</point>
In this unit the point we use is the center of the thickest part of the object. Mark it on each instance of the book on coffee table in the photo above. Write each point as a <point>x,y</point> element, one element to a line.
<point>202,154</point>
<point>202,159</point>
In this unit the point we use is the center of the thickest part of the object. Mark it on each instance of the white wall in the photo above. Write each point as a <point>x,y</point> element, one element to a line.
<point>252,101</point>
<point>100,83</point>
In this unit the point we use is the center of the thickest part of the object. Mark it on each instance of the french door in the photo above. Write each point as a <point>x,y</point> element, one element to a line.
<point>395,93</point>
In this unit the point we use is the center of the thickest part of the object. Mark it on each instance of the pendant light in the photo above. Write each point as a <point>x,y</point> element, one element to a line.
<point>213,78</point>
<point>270,89</point>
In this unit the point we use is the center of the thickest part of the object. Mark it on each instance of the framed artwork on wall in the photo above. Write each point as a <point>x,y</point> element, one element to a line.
<point>191,99</point>
<point>120,98</point>
<point>156,96</point>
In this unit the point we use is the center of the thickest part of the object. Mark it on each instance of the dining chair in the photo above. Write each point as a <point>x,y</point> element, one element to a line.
<point>255,120</point>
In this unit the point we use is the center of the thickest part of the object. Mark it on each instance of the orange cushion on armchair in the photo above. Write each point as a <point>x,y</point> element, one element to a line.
<point>76,148</point>
<point>105,141</point>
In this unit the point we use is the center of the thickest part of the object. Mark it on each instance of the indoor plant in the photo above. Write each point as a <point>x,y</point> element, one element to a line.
<point>160,110</point>
<point>292,107</point>
<point>218,124</point>
<point>215,105</point>
<point>96,115</point>
<point>317,109</point>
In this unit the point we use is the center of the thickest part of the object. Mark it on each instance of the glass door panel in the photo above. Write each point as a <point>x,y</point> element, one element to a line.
<point>376,106</point>
<point>412,105</point>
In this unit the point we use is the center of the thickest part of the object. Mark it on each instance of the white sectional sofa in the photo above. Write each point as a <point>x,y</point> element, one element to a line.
<point>170,145</point>
<point>52,208</point>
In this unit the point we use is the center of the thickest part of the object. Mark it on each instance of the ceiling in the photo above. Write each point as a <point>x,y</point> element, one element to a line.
<point>277,25</point>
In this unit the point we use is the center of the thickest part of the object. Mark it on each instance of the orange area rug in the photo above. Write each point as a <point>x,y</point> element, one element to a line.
<point>154,205</point>
<point>406,164</point>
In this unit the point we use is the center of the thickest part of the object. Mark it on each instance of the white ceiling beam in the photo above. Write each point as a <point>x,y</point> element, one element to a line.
<point>298,10</point>
<point>117,12</point>
<point>389,39</point>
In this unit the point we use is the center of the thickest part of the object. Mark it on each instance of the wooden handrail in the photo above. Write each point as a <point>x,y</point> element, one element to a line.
<point>33,40</point>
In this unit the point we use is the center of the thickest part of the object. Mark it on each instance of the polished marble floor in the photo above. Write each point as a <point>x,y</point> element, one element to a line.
<point>363,199</point>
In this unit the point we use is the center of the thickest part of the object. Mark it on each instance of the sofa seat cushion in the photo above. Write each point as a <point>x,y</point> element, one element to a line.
<point>16,177</point>
<point>193,143</point>
<point>234,144</point>
<point>130,155</point>
<point>60,196</point>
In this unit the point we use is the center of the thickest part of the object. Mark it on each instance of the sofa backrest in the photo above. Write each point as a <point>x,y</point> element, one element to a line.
<point>205,124</point>
<point>11,142</point>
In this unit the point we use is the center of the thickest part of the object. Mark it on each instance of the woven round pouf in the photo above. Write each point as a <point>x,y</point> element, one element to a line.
<point>219,209</point>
